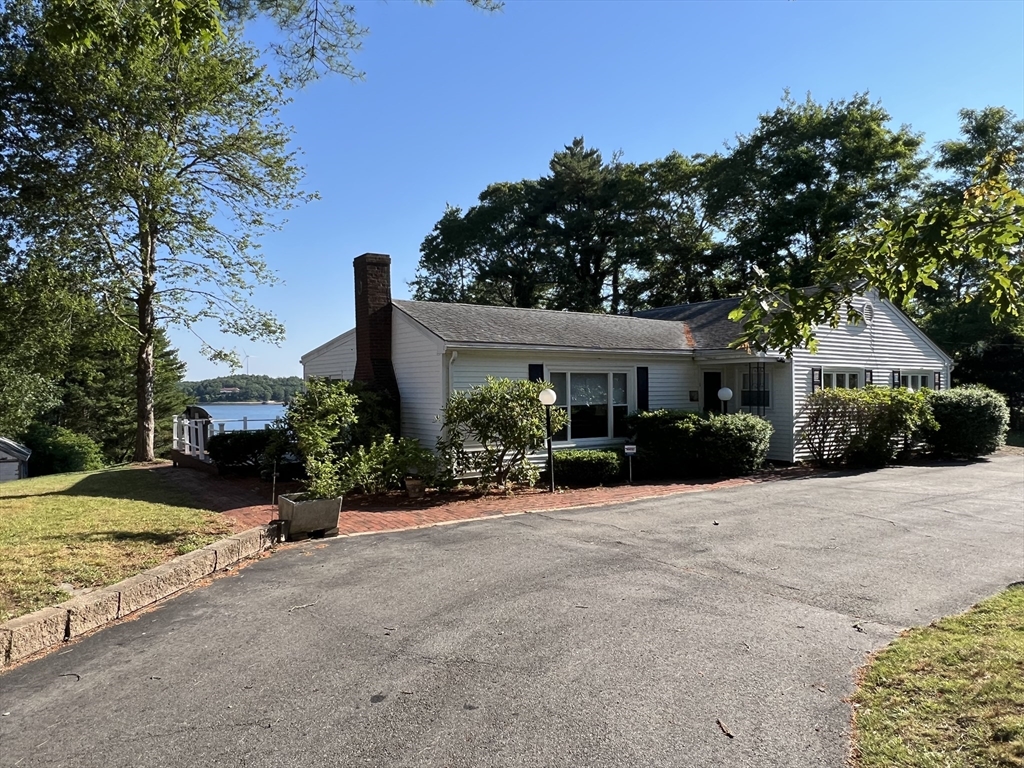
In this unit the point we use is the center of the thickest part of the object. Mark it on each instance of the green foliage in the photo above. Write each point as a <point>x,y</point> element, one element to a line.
<point>491,429</point>
<point>590,236</point>
<point>863,427</point>
<point>56,450</point>
<point>152,168</point>
<point>383,465</point>
<point>977,233</point>
<point>315,37</point>
<point>734,444</point>
<point>321,419</point>
<point>969,421</point>
<point>242,451</point>
<point>251,388</point>
<point>807,175</point>
<point>586,468</point>
<point>677,443</point>
<point>376,414</point>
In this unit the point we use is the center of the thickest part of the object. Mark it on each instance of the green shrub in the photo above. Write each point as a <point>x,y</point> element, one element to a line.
<point>689,444</point>
<point>56,450</point>
<point>585,469</point>
<point>321,419</point>
<point>376,414</point>
<point>970,421</point>
<point>666,442</point>
<point>734,444</point>
<point>241,452</point>
<point>863,427</point>
<point>491,429</point>
<point>383,465</point>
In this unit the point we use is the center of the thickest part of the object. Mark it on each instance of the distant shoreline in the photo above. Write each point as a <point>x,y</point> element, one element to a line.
<point>241,402</point>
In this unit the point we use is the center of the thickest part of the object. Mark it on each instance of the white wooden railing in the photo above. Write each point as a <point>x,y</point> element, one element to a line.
<point>189,436</point>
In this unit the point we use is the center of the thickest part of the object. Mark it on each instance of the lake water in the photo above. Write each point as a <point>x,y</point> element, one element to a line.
<point>258,415</point>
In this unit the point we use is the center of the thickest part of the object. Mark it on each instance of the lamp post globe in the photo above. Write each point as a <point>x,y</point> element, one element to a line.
<point>547,398</point>
<point>725,395</point>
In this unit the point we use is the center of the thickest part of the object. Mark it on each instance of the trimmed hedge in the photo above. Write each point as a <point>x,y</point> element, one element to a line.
<point>56,450</point>
<point>676,443</point>
<point>584,469</point>
<point>970,421</point>
<point>240,451</point>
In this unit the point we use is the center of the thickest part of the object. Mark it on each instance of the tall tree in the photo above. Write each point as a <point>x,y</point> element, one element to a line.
<point>678,255</point>
<point>808,174</point>
<point>161,164</point>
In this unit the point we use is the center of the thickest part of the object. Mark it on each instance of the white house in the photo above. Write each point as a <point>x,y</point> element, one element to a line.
<point>605,366</point>
<point>13,460</point>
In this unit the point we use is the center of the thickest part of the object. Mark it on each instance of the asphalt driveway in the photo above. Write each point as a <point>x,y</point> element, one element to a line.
<point>631,635</point>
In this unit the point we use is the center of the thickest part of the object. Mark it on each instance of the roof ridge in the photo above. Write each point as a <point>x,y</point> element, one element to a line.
<point>516,309</point>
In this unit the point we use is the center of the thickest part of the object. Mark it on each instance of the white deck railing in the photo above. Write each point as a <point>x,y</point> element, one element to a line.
<point>189,436</point>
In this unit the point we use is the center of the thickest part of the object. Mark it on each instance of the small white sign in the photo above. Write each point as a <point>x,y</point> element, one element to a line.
<point>630,450</point>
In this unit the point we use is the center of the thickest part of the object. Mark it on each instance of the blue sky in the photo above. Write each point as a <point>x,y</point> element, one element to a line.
<point>455,99</point>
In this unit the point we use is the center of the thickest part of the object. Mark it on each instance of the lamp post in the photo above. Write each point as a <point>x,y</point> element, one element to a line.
<point>725,395</point>
<point>547,398</point>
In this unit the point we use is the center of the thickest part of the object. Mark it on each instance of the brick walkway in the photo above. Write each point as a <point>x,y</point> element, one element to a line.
<point>245,500</point>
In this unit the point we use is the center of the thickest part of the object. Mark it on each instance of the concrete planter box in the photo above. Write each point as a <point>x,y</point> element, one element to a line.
<point>301,518</point>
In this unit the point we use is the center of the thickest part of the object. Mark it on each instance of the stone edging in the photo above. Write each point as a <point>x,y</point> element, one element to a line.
<point>34,632</point>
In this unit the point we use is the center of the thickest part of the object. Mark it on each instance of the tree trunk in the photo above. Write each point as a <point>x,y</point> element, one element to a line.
<point>145,365</point>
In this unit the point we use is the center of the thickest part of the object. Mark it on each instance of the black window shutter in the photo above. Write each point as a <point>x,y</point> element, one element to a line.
<point>896,378</point>
<point>815,379</point>
<point>536,371</point>
<point>938,379</point>
<point>643,396</point>
<point>869,376</point>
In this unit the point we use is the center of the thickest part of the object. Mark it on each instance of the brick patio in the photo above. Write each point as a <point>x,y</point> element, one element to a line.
<point>246,500</point>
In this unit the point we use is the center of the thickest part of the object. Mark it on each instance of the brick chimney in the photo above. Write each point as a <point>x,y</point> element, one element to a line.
<point>373,322</point>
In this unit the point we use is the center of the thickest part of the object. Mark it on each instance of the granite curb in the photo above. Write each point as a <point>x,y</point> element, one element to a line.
<point>44,629</point>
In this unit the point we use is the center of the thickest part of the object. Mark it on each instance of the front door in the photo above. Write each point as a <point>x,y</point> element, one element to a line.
<point>712,383</point>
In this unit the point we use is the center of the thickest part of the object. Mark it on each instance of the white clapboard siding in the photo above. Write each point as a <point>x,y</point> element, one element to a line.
<point>887,342</point>
<point>418,359</point>
<point>334,360</point>
<point>669,379</point>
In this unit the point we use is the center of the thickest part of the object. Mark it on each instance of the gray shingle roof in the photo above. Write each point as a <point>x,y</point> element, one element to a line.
<point>474,324</point>
<point>708,321</point>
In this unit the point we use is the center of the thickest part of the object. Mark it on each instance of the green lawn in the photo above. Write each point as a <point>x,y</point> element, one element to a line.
<point>91,529</point>
<point>950,695</point>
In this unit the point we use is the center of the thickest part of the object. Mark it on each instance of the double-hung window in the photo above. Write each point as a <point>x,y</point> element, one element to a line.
<point>596,403</point>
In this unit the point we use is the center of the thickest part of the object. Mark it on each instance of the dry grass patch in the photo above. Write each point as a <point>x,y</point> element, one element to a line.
<point>950,695</point>
<point>89,530</point>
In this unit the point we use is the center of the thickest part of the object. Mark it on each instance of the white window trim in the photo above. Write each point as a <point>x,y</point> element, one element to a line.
<point>909,372</point>
<point>846,371</point>
<point>568,370</point>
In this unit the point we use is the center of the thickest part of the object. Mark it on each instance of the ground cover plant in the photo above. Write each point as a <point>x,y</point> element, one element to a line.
<point>89,530</point>
<point>950,695</point>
